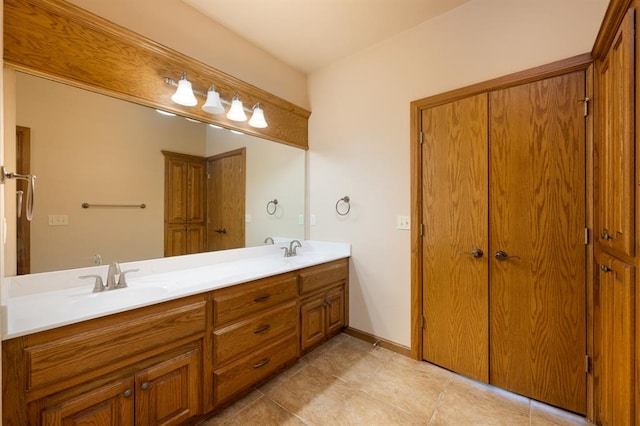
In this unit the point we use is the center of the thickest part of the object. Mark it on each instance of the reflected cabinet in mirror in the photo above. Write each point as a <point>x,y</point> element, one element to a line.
<point>112,155</point>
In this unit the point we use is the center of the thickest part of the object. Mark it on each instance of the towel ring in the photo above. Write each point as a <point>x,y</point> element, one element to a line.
<point>346,200</point>
<point>270,211</point>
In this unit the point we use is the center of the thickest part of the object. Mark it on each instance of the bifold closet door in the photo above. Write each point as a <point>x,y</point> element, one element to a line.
<point>455,268</point>
<point>537,222</point>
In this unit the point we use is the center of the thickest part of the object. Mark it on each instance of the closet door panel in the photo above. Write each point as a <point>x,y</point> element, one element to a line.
<point>455,178</point>
<point>537,213</point>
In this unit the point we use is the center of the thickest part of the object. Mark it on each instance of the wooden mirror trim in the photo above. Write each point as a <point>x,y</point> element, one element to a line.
<point>58,40</point>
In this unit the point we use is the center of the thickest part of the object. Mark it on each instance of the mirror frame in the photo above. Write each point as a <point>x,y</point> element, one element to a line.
<point>58,40</point>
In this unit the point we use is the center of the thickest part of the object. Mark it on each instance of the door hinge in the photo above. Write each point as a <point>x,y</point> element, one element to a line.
<point>420,139</point>
<point>587,364</point>
<point>586,105</point>
<point>422,321</point>
<point>208,175</point>
<point>422,230</point>
<point>586,236</point>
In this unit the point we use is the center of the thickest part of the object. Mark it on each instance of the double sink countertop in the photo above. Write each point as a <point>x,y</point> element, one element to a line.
<point>38,302</point>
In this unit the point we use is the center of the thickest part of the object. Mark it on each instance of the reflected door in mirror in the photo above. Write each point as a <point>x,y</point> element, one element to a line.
<point>226,200</point>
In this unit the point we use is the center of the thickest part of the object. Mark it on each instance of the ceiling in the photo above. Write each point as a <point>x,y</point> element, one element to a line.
<point>310,34</point>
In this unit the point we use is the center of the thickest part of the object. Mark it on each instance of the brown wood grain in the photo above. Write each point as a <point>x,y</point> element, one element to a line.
<point>614,357</point>
<point>616,147</point>
<point>312,322</point>
<point>226,189</point>
<point>58,40</point>
<point>321,276</point>
<point>233,303</point>
<point>254,332</point>
<point>77,354</point>
<point>241,374</point>
<point>455,196</point>
<point>537,204</point>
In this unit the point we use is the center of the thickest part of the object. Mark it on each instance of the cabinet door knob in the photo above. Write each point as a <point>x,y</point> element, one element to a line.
<point>605,236</point>
<point>145,386</point>
<point>128,393</point>
<point>605,268</point>
<point>502,256</point>
<point>477,253</point>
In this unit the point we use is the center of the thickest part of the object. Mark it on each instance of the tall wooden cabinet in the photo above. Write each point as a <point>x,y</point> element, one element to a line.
<point>504,259</point>
<point>616,301</point>
<point>184,200</point>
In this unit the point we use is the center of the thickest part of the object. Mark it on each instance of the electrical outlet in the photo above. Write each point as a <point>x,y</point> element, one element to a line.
<point>58,219</point>
<point>403,223</point>
<point>300,219</point>
<point>312,220</point>
<point>247,218</point>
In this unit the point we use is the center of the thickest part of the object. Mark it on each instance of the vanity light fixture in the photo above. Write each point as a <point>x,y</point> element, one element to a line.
<point>257,118</point>
<point>184,94</point>
<point>236,112</point>
<point>214,104</point>
<point>215,126</point>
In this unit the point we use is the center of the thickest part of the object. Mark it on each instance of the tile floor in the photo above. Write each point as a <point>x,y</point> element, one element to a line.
<point>350,382</point>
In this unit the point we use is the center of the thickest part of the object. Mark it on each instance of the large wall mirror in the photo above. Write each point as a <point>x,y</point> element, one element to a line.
<point>89,148</point>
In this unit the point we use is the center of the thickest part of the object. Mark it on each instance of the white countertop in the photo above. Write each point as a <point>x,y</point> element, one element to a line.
<point>44,301</point>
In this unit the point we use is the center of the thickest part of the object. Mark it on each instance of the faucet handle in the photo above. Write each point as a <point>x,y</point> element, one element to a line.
<point>122,279</point>
<point>98,286</point>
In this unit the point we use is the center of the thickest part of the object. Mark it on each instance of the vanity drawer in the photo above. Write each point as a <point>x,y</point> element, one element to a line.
<point>101,348</point>
<point>233,303</point>
<point>254,333</point>
<point>317,277</point>
<point>253,368</point>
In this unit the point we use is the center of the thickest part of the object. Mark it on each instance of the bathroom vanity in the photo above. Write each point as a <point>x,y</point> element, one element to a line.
<point>186,337</point>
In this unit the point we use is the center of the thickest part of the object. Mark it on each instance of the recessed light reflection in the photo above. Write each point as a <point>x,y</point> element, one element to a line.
<point>170,114</point>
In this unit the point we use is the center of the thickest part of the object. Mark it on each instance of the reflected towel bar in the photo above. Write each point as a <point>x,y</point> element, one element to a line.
<point>138,206</point>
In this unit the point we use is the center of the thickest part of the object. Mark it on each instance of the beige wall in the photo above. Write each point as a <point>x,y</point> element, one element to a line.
<point>359,129</point>
<point>273,171</point>
<point>180,27</point>
<point>91,148</point>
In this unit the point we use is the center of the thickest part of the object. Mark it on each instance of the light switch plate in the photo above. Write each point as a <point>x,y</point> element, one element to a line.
<point>58,219</point>
<point>403,223</point>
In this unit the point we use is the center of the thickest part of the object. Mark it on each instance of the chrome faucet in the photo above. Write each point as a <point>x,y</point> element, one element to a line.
<point>293,245</point>
<point>268,240</point>
<point>114,269</point>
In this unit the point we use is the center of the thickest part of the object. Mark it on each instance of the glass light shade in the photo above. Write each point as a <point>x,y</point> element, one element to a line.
<point>257,118</point>
<point>184,95</point>
<point>213,105</point>
<point>236,112</point>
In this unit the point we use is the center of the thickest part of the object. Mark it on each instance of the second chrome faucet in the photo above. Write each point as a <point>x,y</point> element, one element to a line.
<point>112,284</point>
<point>291,250</point>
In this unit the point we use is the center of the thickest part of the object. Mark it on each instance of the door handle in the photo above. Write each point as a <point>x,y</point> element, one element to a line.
<point>477,253</point>
<point>221,231</point>
<point>502,256</point>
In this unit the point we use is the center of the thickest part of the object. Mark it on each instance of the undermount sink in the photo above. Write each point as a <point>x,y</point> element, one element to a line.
<point>128,293</point>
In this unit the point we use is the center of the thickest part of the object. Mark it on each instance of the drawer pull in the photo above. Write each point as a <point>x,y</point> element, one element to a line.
<point>262,363</point>
<point>261,329</point>
<point>262,298</point>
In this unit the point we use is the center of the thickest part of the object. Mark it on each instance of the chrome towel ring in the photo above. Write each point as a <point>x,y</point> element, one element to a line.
<point>272,210</point>
<point>345,200</point>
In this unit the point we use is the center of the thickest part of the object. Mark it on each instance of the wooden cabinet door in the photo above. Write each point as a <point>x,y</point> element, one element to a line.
<point>195,239</point>
<point>195,191</point>
<point>108,405</point>
<point>312,322</point>
<point>455,196</point>
<point>615,149</point>
<point>176,172</point>
<point>537,205</point>
<point>335,307</point>
<point>169,393</point>
<point>614,334</point>
<point>175,240</point>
